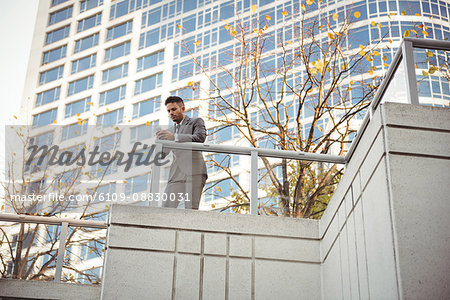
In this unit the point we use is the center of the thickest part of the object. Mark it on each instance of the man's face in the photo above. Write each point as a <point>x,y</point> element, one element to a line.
<point>176,112</point>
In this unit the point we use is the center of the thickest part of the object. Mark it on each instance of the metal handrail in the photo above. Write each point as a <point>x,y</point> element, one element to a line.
<point>230,149</point>
<point>64,222</point>
<point>52,220</point>
<point>415,43</point>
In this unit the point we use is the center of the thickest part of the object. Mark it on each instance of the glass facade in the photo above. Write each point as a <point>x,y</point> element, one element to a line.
<point>165,47</point>
<point>113,63</point>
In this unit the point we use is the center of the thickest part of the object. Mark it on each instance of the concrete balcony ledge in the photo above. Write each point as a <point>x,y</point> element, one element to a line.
<point>213,222</point>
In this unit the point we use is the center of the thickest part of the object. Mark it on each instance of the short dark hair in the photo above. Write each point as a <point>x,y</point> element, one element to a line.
<point>174,99</point>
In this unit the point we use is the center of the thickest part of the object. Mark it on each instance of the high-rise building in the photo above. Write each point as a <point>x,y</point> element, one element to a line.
<point>114,62</point>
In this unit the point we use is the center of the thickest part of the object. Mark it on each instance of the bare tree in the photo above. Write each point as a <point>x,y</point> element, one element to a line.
<point>300,86</point>
<point>29,251</point>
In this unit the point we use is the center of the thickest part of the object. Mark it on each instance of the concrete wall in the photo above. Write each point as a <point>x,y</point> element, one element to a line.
<point>31,289</point>
<point>385,232</point>
<point>165,253</point>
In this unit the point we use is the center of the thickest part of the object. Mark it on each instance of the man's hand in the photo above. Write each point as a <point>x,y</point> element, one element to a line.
<point>165,135</point>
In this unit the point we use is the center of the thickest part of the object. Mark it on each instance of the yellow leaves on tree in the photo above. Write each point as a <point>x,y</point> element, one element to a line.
<point>309,2</point>
<point>357,14</point>
<point>268,18</point>
<point>197,43</point>
<point>254,8</point>
<point>284,13</point>
<point>335,17</point>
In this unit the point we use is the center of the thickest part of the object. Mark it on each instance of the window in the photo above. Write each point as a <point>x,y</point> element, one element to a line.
<point>92,250</point>
<point>220,189</point>
<point>115,73</point>
<point>119,30</point>
<point>86,43</point>
<point>54,55</point>
<point>42,139</point>
<point>223,133</point>
<point>104,193</point>
<point>110,118</point>
<point>218,161</point>
<point>48,96</point>
<point>90,22</point>
<point>84,63</point>
<point>151,17</point>
<point>51,75</point>
<point>137,184</point>
<point>148,84</point>
<point>117,51</point>
<point>107,143</point>
<point>226,10</point>
<point>149,38</point>
<point>189,23</point>
<point>50,258</point>
<point>160,34</point>
<point>89,4</point>
<point>77,107</point>
<point>143,132</point>
<point>188,93</point>
<point>146,107</point>
<point>44,118</point>
<point>171,9</point>
<point>74,130</point>
<point>124,7</point>
<point>112,96</point>
<point>58,34</point>
<point>193,113</point>
<point>60,15</point>
<point>149,61</point>
<point>208,16</point>
<point>80,85</point>
<point>56,2</point>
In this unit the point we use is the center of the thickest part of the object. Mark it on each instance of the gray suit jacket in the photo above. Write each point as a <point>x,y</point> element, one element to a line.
<point>187,161</point>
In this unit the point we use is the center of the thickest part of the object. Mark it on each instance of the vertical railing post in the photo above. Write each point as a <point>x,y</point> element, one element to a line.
<point>254,183</point>
<point>410,72</point>
<point>61,251</point>
<point>156,174</point>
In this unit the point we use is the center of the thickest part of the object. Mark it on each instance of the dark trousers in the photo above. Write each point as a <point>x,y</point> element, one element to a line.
<point>188,190</point>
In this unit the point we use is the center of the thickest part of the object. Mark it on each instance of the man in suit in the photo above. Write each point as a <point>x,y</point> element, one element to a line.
<point>187,174</point>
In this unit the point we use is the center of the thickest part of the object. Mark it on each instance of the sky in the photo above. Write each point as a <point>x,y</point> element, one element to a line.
<point>17,18</point>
